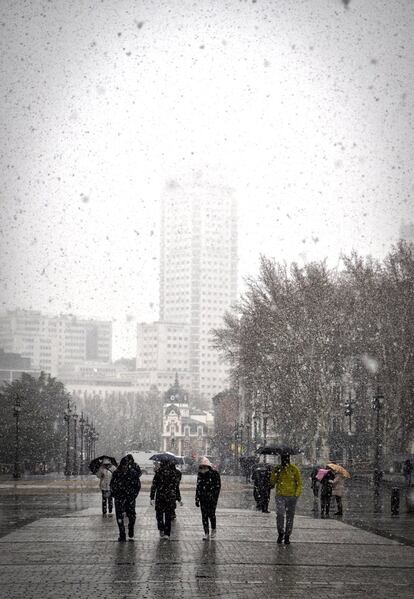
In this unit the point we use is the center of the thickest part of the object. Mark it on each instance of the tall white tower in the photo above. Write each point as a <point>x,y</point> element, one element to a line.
<point>198,271</point>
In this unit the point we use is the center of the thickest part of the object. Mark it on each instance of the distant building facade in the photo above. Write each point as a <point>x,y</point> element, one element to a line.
<point>163,346</point>
<point>185,432</point>
<point>13,365</point>
<point>51,342</point>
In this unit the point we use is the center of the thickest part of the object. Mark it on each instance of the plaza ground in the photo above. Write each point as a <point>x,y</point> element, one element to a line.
<point>56,544</point>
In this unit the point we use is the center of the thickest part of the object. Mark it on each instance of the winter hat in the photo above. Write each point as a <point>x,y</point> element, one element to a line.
<point>205,462</point>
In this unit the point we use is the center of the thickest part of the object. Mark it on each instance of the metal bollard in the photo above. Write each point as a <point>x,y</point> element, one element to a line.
<point>395,501</point>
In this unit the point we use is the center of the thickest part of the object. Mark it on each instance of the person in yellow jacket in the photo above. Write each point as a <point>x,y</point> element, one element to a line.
<point>287,481</point>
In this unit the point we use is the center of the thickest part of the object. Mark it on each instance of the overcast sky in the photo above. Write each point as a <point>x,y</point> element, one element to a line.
<point>304,107</point>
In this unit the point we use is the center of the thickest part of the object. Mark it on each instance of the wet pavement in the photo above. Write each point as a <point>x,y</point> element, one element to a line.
<point>50,555</point>
<point>36,497</point>
<point>78,556</point>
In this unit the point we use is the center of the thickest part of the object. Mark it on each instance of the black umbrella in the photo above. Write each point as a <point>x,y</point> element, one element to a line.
<point>165,456</point>
<point>97,463</point>
<point>278,450</point>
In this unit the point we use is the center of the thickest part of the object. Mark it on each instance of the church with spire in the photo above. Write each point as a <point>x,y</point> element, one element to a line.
<point>186,432</point>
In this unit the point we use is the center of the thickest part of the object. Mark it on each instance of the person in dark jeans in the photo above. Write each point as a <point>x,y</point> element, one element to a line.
<point>125,486</point>
<point>408,471</point>
<point>207,494</point>
<point>326,492</point>
<point>262,486</point>
<point>179,476</point>
<point>104,474</point>
<point>165,489</point>
<point>315,488</point>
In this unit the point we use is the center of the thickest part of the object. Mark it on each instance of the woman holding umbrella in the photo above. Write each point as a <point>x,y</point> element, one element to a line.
<point>338,485</point>
<point>326,477</point>
<point>105,472</point>
<point>103,467</point>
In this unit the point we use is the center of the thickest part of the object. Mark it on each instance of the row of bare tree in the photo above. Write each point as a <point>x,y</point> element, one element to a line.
<point>300,337</point>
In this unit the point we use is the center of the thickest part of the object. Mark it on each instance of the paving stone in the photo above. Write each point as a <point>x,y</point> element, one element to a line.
<point>77,556</point>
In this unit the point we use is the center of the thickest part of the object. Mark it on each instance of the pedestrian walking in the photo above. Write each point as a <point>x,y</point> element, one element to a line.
<point>165,490</point>
<point>125,486</point>
<point>408,471</point>
<point>326,483</point>
<point>104,473</point>
<point>338,490</point>
<point>207,494</point>
<point>179,477</point>
<point>287,481</point>
<point>261,489</point>
<point>315,488</point>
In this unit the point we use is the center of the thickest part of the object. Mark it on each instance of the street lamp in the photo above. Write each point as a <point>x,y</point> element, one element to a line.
<point>67,416</point>
<point>82,457</point>
<point>255,431</point>
<point>377,406</point>
<point>265,416</point>
<point>348,412</point>
<point>95,438</point>
<point>87,443</point>
<point>241,428</point>
<point>16,413</point>
<point>236,447</point>
<point>75,443</point>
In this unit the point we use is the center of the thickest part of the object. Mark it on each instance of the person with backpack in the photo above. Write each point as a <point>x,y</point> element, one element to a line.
<point>287,481</point>
<point>262,486</point>
<point>207,494</point>
<point>104,473</point>
<point>125,486</point>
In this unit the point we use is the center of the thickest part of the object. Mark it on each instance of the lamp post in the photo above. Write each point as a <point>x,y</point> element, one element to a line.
<point>82,457</point>
<point>265,416</point>
<point>241,429</point>
<point>236,448</point>
<point>16,413</point>
<point>87,452</point>
<point>75,443</point>
<point>94,437</point>
<point>377,406</point>
<point>67,417</point>
<point>90,438</point>
<point>255,431</point>
<point>348,412</point>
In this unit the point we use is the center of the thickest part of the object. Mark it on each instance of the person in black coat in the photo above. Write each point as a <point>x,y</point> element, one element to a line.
<point>315,487</point>
<point>179,476</point>
<point>125,486</point>
<point>165,490</point>
<point>326,486</point>
<point>262,486</point>
<point>207,494</point>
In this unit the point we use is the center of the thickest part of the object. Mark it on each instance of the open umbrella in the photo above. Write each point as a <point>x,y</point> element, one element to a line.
<point>165,456</point>
<point>278,450</point>
<point>97,463</point>
<point>321,473</point>
<point>340,469</point>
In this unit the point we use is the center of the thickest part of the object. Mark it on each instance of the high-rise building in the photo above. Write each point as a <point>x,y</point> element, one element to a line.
<point>53,341</point>
<point>198,279</point>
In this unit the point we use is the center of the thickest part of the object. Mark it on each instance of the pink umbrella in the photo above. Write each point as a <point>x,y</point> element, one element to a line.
<point>321,473</point>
